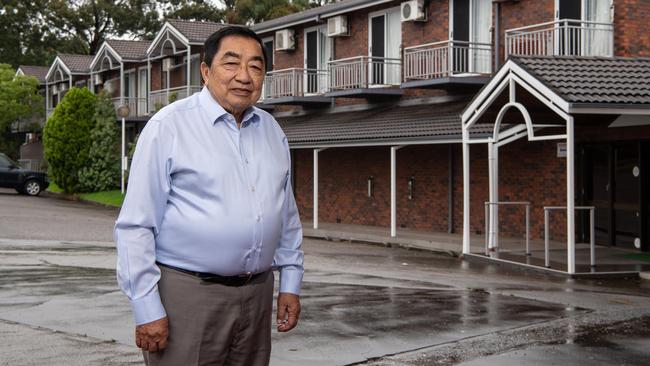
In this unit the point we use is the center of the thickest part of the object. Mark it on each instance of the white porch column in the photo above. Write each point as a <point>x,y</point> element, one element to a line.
<point>466,211</point>
<point>149,85</point>
<point>47,97</point>
<point>189,56</point>
<point>393,190</point>
<point>570,196</point>
<point>316,151</point>
<point>121,83</point>
<point>493,173</point>
<point>70,83</point>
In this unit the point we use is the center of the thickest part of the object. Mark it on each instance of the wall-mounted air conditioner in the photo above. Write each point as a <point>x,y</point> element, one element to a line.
<point>285,40</point>
<point>413,10</point>
<point>167,64</point>
<point>337,26</point>
<point>98,79</point>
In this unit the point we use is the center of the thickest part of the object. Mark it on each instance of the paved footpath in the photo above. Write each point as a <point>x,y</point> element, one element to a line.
<point>362,304</point>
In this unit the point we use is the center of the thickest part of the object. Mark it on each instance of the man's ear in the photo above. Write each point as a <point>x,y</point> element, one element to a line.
<point>205,72</point>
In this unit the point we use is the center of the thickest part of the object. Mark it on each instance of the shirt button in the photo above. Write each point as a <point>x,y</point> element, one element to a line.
<point>252,188</point>
<point>246,161</point>
<point>259,218</point>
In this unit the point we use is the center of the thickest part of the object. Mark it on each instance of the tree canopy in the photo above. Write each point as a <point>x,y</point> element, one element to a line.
<point>80,26</point>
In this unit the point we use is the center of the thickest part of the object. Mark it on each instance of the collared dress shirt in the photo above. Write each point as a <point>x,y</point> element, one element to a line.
<point>206,196</point>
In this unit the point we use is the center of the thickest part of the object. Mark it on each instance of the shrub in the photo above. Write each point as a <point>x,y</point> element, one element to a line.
<point>66,138</point>
<point>102,172</point>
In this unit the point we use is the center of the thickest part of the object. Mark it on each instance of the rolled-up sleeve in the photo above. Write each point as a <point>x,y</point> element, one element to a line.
<point>288,257</point>
<point>140,218</point>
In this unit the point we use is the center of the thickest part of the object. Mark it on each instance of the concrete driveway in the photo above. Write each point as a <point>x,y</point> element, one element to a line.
<point>362,304</point>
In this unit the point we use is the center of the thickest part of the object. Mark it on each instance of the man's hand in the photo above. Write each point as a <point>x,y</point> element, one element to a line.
<point>152,336</point>
<point>288,311</point>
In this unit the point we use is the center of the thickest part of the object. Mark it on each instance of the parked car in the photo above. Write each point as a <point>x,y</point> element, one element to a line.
<point>25,181</point>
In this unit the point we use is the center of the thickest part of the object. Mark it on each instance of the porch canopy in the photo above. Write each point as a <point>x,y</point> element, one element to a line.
<point>544,98</point>
<point>391,125</point>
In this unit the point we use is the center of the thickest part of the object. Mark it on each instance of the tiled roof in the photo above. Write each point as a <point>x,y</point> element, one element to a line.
<point>196,31</point>
<point>592,79</point>
<point>39,72</point>
<point>311,14</point>
<point>130,50</point>
<point>77,63</point>
<point>399,124</point>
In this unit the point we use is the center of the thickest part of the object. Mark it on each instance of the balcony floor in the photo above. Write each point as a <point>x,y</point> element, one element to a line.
<point>309,100</point>
<point>470,82</point>
<point>378,92</point>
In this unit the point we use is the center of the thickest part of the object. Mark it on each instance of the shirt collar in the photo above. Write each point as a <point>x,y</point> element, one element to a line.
<point>215,109</point>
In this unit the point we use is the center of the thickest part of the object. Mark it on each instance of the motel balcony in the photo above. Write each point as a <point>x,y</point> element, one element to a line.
<point>137,106</point>
<point>162,97</point>
<point>296,86</point>
<point>566,37</point>
<point>365,77</point>
<point>447,64</point>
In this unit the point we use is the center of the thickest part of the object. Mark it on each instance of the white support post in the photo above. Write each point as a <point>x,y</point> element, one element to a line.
<point>149,108</point>
<point>316,151</point>
<point>70,82</point>
<point>570,196</point>
<point>121,84</point>
<point>492,199</point>
<point>495,190</point>
<point>189,59</point>
<point>466,176</point>
<point>123,165</point>
<point>393,190</point>
<point>47,97</point>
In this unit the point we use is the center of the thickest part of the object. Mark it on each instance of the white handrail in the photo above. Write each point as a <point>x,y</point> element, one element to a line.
<point>504,203</point>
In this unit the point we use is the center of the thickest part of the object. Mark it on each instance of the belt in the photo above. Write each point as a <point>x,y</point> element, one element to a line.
<point>233,281</point>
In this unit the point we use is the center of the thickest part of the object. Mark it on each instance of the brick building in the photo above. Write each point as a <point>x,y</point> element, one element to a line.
<point>371,94</point>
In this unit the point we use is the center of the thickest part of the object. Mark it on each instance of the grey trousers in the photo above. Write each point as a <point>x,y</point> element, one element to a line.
<point>214,324</point>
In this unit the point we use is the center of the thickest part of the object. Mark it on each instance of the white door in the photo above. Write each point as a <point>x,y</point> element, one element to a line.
<point>597,33</point>
<point>142,91</point>
<point>480,56</point>
<point>318,50</point>
<point>384,47</point>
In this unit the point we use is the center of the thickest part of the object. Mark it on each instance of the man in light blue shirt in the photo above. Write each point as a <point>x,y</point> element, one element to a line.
<point>209,212</point>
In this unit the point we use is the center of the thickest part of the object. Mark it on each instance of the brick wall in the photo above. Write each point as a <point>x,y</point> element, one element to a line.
<point>632,38</point>
<point>521,14</point>
<point>528,171</point>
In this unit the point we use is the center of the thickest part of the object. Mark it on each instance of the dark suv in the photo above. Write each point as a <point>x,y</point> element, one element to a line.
<point>23,180</point>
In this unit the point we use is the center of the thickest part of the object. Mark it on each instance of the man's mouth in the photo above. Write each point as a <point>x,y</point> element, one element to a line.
<point>240,91</point>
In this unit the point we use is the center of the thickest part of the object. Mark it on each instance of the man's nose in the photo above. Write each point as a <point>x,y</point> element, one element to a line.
<point>243,75</point>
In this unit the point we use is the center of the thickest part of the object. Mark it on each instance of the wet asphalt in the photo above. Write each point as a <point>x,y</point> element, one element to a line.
<point>362,304</point>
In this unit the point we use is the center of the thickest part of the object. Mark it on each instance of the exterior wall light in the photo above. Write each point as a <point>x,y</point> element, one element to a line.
<point>411,186</point>
<point>371,183</point>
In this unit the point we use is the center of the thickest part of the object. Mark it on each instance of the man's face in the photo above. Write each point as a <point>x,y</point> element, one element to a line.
<point>236,75</point>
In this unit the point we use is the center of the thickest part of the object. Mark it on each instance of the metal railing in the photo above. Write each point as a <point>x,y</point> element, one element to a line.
<point>295,82</point>
<point>33,165</point>
<point>160,98</point>
<point>137,106</point>
<point>566,37</point>
<point>592,241</point>
<point>363,72</point>
<point>446,58</point>
<point>48,113</point>
<point>490,233</point>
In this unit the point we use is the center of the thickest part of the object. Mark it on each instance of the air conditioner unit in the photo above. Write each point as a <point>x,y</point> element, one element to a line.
<point>284,40</point>
<point>167,64</point>
<point>413,10</point>
<point>337,26</point>
<point>98,79</point>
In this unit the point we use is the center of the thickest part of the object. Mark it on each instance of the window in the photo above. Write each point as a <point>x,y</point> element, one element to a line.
<point>384,48</point>
<point>318,50</point>
<point>268,49</point>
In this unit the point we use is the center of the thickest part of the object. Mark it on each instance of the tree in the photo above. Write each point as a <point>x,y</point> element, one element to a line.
<point>255,11</point>
<point>66,137</point>
<point>19,100</point>
<point>103,169</point>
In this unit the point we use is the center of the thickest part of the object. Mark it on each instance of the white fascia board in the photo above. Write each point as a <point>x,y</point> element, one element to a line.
<point>485,92</point>
<point>163,30</point>
<point>608,110</point>
<point>378,144</point>
<point>57,62</point>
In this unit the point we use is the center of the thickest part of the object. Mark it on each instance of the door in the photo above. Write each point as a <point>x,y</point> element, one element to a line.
<point>597,187</point>
<point>377,49</point>
<point>142,91</point>
<point>627,195</point>
<point>480,57</point>
<point>317,53</point>
<point>596,35</point>
<point>460,32</point>
<point>385,47</point>
<point>567,34</point>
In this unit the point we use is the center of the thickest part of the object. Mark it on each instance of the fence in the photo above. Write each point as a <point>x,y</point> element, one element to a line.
<point>446,58</point>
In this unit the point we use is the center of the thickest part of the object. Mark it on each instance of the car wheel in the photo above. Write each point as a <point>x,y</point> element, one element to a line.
<point>32,187</point>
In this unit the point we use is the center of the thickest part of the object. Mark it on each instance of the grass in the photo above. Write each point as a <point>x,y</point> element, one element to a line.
<point>109,198</point>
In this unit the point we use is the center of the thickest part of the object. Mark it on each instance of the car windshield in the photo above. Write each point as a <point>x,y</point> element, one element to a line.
<point>8,159</point>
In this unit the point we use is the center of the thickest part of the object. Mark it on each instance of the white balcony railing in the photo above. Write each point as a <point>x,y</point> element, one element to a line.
<point>447,58</point>
<point>364,72</point>
<point>295,82</point>
<point>137,106</point>
<point>565,37</point>
<point>160,98</point>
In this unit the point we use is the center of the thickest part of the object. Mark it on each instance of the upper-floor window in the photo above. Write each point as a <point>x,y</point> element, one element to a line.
<point>384,43</point>
<point>318,50</point>
<point>268,49</point>
<point>471,21</point>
